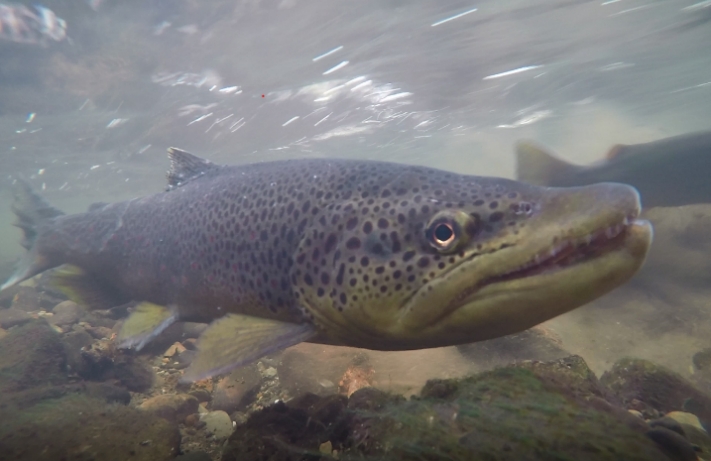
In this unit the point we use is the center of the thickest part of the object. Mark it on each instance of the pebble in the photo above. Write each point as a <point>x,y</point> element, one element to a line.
<point>218,423</point>
<point>636,413</point>
<point>270,372</point>
<point>192,420</point>
<point>685,418</point>
<point>100,332</point>
<point>175,349</point>
<point>65,313</point>
<point>173,407</point>
<point>236,390</point>
<point>12,317</point>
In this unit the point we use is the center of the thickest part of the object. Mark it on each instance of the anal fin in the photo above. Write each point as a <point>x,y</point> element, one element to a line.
<point>236,340</point>
<point>85,289</point>
<point>146,322</point>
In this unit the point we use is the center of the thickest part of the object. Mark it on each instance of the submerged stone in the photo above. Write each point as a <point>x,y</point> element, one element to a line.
<point>32,355</point>
<point>530,412</point>
<point>76,427</point>
<point>653,389</point>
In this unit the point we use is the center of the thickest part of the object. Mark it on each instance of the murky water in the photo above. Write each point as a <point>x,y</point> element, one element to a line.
<point>87,117</point>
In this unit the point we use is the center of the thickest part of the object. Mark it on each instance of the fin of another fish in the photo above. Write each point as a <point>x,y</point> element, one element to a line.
<point>84,289</point>
<point>146,322</point>
<point>185,167</point>
<point>618,150</point>
<point>236,340</point>
<point>536,166</point>
<point>32,212</point>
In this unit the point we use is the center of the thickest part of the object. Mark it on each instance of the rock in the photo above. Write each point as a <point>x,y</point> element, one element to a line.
<point>194,456</point>
<point>537,343</point>
<point>12,317</point>
<point>176,348</point>
<point>192,420</point>
<point>107,392</point>
<point>698,437</point>
<point>218,423</point>
<point>359,374</point>
<point>685,418</point>
<point>87,429</point>
<point>2,333</point>
<point>702,360</point>
<point>133,373</point>
<point>75,342</point>
<point>190,344</point>
<point>273,433</point>
<point>173,407</point>
<point>236,390</point>
<point>191,330</point>
<point>655,389</point>
<point>66,313</point>
<point>313,368</point>
<point>508,414</point>
<point>100,332</point>
<point>182,360</point>
<point>26,299</point>
<point>674,445</point>
<point>31,355</point>
<point>203,395</point>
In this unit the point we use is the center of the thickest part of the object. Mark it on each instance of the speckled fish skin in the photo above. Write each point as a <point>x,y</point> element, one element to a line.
<point>362,250</point>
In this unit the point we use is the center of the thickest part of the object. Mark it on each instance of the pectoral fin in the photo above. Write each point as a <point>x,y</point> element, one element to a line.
<point>236,340</point>
<point>146,322</point>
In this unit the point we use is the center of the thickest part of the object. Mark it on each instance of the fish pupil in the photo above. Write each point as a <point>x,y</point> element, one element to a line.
<point>443,233</point>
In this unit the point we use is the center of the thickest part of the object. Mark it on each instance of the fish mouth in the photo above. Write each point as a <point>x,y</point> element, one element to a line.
<point>571,251</point>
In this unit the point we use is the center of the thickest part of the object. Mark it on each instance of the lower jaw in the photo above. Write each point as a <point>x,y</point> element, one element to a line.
<point>559,260</point>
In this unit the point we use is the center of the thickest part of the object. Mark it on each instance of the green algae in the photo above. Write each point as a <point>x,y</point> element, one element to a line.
<point>79,428</point>
<point>534,411</point>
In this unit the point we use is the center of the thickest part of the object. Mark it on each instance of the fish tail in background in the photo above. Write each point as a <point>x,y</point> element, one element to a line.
<point>536,166</point>
<point>33,214</point>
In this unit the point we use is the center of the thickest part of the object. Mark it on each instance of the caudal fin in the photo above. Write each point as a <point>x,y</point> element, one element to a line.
<point>536,166</point>
<point>33,213</point>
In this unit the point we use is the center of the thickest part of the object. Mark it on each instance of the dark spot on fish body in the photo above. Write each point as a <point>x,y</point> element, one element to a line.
<point>330,243</point>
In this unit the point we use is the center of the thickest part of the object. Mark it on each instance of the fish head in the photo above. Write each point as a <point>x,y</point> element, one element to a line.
<point>435,259</point>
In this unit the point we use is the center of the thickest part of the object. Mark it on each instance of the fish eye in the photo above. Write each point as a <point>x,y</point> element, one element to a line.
<point>448,230</point>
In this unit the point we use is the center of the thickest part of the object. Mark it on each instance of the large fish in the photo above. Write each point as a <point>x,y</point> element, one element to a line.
<point>367,254</point>
<point>668,172</point>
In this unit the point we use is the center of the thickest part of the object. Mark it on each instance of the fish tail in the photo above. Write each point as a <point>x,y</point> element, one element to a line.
<point>536,166</point>
<point>33,215</point>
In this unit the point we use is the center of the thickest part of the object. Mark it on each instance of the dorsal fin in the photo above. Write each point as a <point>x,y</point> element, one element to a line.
<point>96,206</point>
<point>537,166</point>
<point>185,167</point>
<point>616,151</point>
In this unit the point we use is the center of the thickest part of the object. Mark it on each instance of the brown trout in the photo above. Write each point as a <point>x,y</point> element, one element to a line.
<point>367,254</point>
<point>668,172</point>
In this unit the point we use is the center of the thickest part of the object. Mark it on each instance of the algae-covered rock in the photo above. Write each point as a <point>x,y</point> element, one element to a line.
<point>79,428</point>
<point>32,355</point>
<point>653,389</point>
<point>172,407</point>
<point>555,411</point>
<point>290,432</point>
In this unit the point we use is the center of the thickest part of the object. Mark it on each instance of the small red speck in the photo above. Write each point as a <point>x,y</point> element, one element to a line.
<point>262,95</point>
